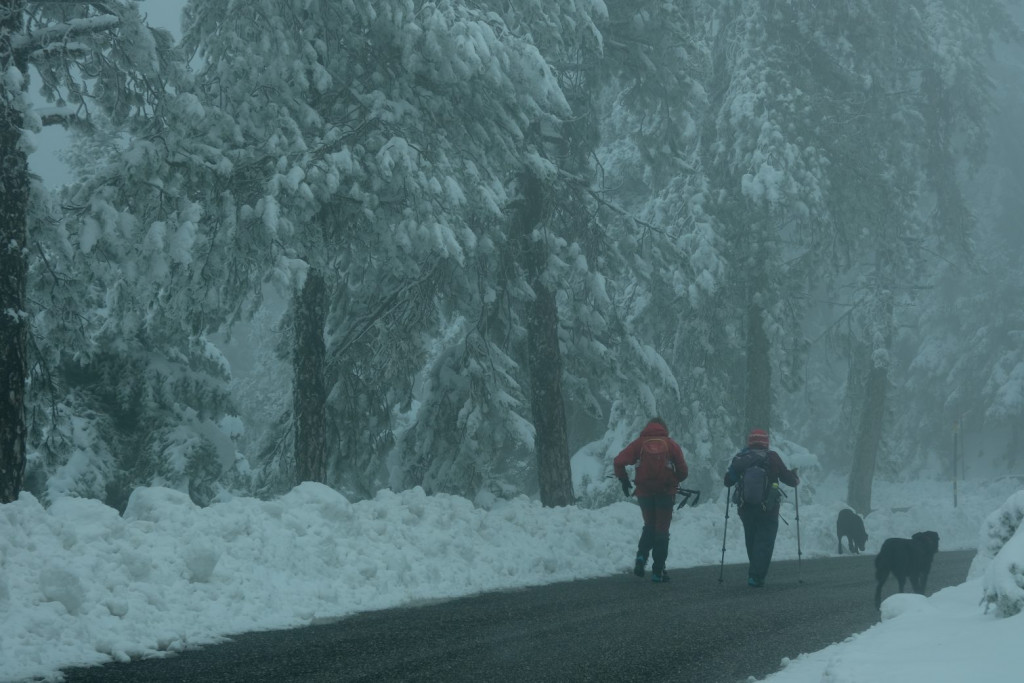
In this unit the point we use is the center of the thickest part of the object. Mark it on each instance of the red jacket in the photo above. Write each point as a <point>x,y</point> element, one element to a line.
<point>630,455</point>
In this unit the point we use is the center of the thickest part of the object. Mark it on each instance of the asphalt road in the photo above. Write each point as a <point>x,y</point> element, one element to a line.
<point>616,628</point>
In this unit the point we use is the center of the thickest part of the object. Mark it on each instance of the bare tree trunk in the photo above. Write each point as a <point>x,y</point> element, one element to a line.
<point>546,401</point>
<point>545,357</point>
<point>758,406</point>
<point>869,436</point>
<point>309,394</point>
<point>14,197</point>
<point>872,414</point>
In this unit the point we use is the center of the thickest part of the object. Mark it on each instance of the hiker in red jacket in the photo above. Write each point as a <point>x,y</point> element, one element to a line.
<point>660,467</point>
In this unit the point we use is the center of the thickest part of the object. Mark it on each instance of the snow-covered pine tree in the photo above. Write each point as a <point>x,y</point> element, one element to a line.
<point>961,346</point>
<point>730,185</point>
<point>766,160</point>
<point>897,104</point>
<point>503,414</point>
<point>370,142</point>
<point>653,106</point>
<point>93,61</point>
<point>141,394</point>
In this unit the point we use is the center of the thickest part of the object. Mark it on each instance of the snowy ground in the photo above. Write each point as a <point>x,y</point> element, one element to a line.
<point>81,585</point>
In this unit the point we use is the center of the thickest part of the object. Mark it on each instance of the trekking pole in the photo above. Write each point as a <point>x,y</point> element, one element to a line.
<point>725,530</point>
<point>686,495</point>
<point>799,552</point>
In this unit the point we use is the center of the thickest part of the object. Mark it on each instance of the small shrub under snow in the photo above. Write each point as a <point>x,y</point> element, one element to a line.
<point>1000,551</point>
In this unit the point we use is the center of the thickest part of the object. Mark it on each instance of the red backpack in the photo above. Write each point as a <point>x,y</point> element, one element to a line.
<point>656,468</point>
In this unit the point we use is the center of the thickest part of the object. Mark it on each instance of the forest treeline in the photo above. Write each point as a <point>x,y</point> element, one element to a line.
<point>465,241</point>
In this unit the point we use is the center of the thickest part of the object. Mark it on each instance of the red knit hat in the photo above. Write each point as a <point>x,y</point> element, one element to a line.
<point>758,437</point>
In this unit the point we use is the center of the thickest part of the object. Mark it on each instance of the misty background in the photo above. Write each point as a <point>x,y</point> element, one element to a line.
<point>473,247</point>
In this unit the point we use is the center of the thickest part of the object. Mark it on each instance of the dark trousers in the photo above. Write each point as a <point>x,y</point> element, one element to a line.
<point>657,512</point>
<point>759,531</point>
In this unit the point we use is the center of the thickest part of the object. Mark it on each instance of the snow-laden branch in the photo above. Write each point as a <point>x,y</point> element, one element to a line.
<point>62,116</point>
<point>23,42</point>
<point>73,49</point>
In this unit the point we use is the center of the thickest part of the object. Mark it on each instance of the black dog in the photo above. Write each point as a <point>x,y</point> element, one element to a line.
<point>849,524</point>
<point>906,558</point>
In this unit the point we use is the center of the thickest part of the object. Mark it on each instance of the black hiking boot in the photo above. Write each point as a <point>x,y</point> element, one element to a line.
<point>638,566</point>
<point>659,577</point>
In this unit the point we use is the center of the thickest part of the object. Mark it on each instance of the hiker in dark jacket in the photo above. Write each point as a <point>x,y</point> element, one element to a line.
<point>761,520</point>
<point>660,468</point>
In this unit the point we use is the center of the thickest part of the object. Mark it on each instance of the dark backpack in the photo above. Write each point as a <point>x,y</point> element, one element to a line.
<point>753,488</point>
<point>655,468</point>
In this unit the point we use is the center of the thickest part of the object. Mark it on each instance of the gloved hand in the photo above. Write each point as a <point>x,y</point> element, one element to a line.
<point>626,488</point>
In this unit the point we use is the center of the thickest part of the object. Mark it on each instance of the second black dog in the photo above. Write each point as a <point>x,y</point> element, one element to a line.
<point>906,558</point>
<point>849,524</point>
